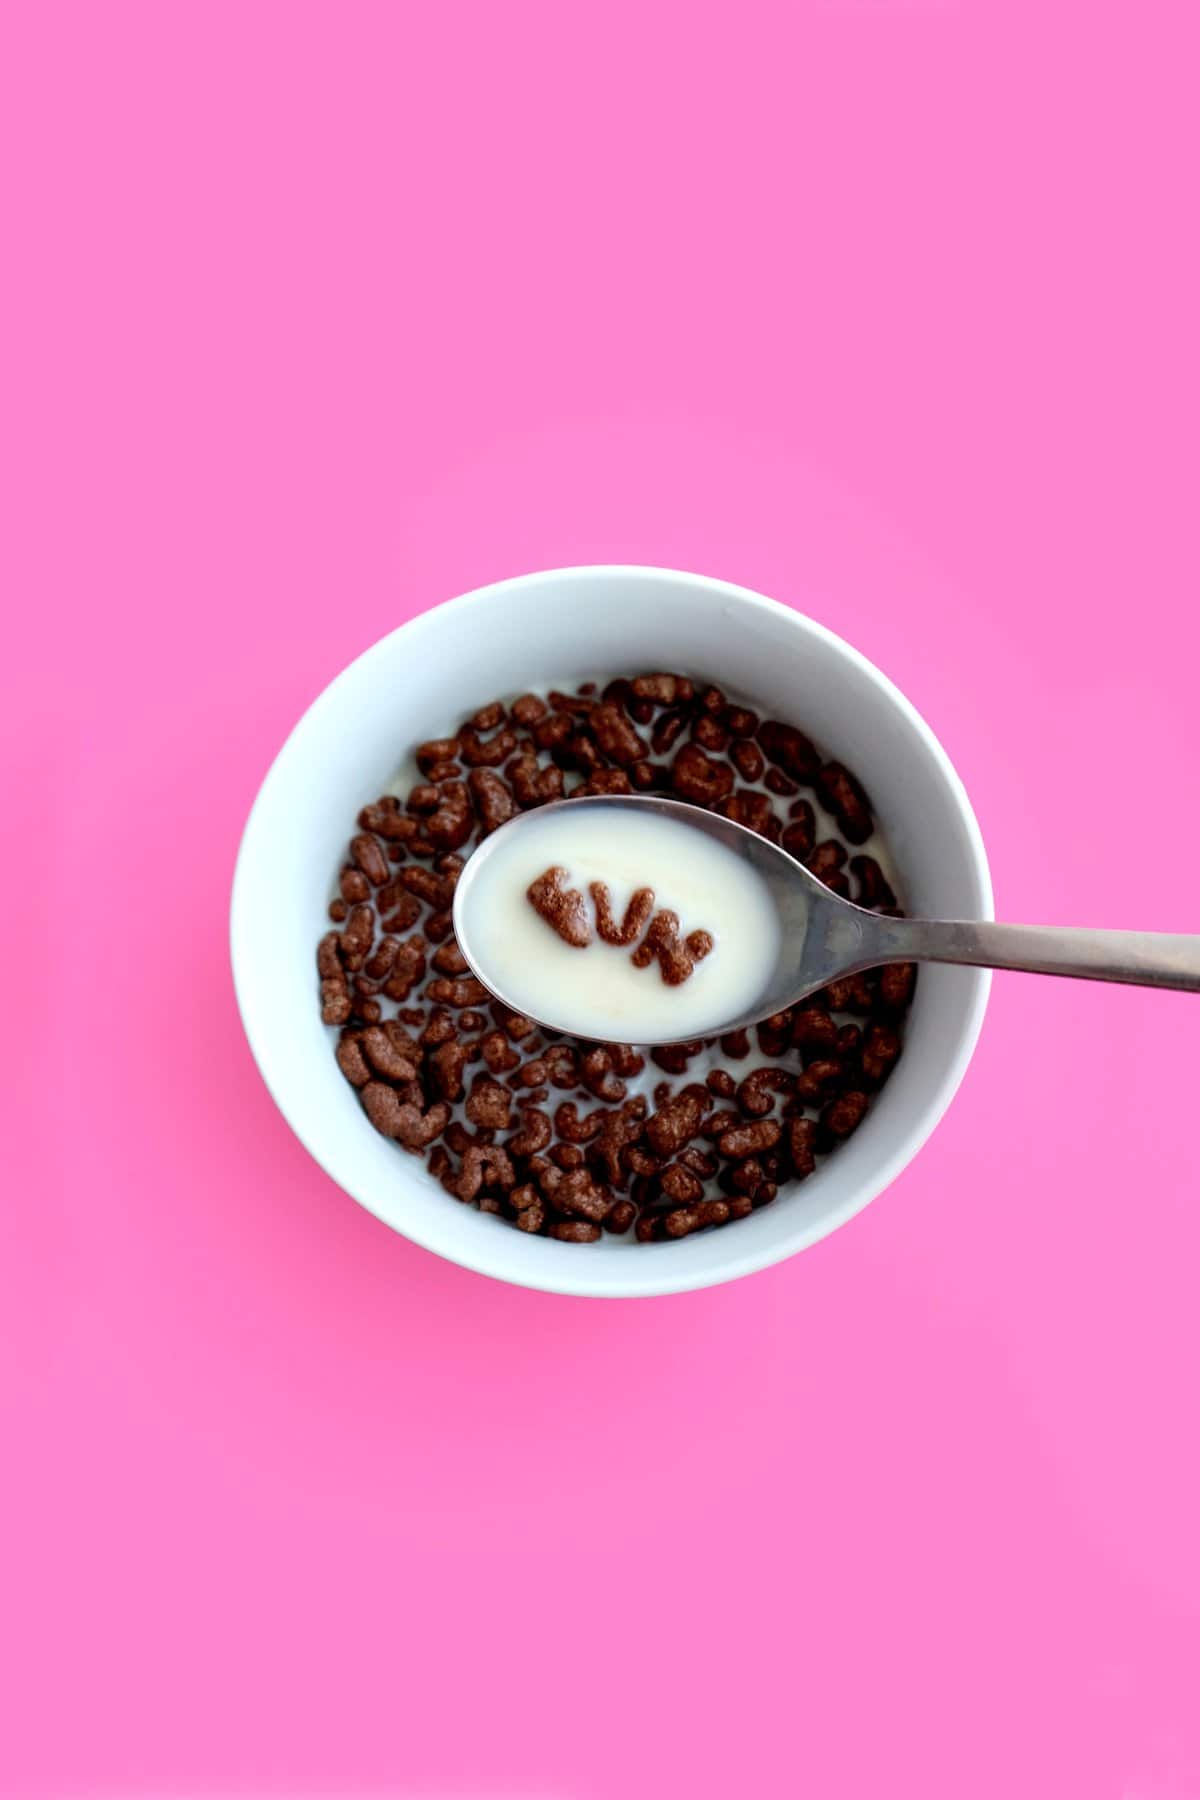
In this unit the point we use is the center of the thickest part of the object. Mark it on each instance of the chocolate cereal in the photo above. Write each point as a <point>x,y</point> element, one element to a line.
<point>574,1140</point>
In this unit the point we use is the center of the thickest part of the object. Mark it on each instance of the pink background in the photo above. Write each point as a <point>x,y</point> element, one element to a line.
<point>316,317</point>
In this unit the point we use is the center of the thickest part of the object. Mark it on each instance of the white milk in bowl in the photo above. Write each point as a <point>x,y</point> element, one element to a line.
<point>697,952</point>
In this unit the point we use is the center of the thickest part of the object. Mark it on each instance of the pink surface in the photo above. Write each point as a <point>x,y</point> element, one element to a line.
<point>317,316</point>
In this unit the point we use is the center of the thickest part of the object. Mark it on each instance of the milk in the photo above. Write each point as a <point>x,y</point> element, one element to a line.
<point>596,991</point>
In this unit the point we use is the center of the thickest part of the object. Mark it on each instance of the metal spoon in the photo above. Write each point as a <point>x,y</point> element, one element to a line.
<point>824,937</point>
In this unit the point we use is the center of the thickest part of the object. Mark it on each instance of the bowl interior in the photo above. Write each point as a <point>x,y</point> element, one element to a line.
<point>551,627</point>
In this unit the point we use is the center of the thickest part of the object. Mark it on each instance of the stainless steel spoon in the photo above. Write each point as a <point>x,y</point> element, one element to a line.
<point>824,936</point>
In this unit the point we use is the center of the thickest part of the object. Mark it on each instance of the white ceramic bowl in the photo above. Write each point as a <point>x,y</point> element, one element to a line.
<point>502,640</point>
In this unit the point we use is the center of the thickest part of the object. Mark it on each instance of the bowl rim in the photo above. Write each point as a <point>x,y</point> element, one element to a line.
<point>657,1277</point>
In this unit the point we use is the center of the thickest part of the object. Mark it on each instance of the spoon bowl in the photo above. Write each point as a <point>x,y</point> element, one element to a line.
<point>821,936</point>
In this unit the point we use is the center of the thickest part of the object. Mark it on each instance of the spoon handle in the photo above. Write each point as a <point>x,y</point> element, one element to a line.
<point>1145,958</point>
